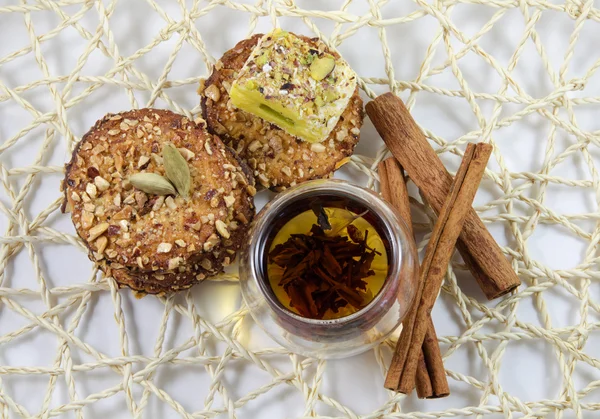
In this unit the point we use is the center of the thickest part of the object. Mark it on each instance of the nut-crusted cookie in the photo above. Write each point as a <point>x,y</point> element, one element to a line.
<point>143,234</point>
<point>277,158</point>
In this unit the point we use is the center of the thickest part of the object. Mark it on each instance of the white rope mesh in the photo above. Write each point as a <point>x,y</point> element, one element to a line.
<point>35,302</point>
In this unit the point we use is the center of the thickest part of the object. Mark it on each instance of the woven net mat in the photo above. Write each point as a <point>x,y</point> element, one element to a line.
<point>58,318</point>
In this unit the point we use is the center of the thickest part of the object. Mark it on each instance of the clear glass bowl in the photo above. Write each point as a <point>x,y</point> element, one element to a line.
<point>348,335</point>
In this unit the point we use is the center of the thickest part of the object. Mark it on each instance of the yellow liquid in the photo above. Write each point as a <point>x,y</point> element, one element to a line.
<point>338,218</point>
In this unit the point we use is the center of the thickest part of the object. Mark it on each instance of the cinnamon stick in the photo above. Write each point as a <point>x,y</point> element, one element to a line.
<point>431,375</point>
<point>401,375</point>
<point>432,359</point>
<point>407,143</point>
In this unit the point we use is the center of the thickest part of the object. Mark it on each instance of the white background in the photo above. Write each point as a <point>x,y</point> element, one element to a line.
<point>529,368</point>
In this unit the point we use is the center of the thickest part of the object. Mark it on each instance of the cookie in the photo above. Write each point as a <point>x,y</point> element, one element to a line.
<point>147,233</point>
<point>278,159</point>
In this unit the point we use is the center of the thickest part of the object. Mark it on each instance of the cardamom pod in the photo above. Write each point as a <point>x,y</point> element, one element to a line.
<point>152,183</point>
<point>177,169</point>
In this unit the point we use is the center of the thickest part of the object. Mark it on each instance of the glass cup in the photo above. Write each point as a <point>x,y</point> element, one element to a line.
<point>345,336</point>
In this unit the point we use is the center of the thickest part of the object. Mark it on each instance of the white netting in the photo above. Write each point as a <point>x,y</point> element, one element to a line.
<point>543,153</point>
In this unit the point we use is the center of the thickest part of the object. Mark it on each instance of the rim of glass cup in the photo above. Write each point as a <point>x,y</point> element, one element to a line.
<point>398,249</point>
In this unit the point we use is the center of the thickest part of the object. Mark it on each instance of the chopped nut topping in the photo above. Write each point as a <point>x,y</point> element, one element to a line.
<point>97,231</point>
<point>254,145</point>
<point>286,171</point>
<point>191,248</point>
<point>197,226</point>
<point>174,263</point>
<point>187,154</point>
<point>211,242</point>
<point>124,225</point>
<point>140,198</point>
<point>242,218</point>
<point>119,162</point>
<point>144,160</point>
<point>200,277</point>
<point>355,131</point>
<point>75,196</point>
<point>124,126</point>
<point>214,202</point>
<point>208,148</point>
<point>88,206</point>
<point>241,178</point>
<point>101,183</point>
<point>341,134</point>
<point>117,200</point>
<point>114,132</point>
<point>87,219</point>
<point>111,253</point>
<point>158,203</point>
<point>124,214</point>
<point>158,160</point>
<point>317,148</point>
<point>164,248</point>
<point>222,229</point>
<point>113,230</point>
<point>180,243</point>
<point>171,203</point>
<point>101,244</point>
<point>229,200</point>
<point>130,199</point>
<point>91,190</point>
<point>206,264</point>
<point>213,93</point>
<point>126,184</point>
<point>263,180</point>
<point>97,150</point>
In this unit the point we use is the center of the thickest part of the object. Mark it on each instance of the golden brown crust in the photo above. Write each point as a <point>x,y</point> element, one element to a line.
<point>278,159</point>
<point>162,283</point>
<point>147,234</point>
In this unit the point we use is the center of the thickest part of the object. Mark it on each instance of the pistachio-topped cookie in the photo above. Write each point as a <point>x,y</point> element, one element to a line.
<point>153,193</point>
<point>295,84</point>
<point>287,104</point>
